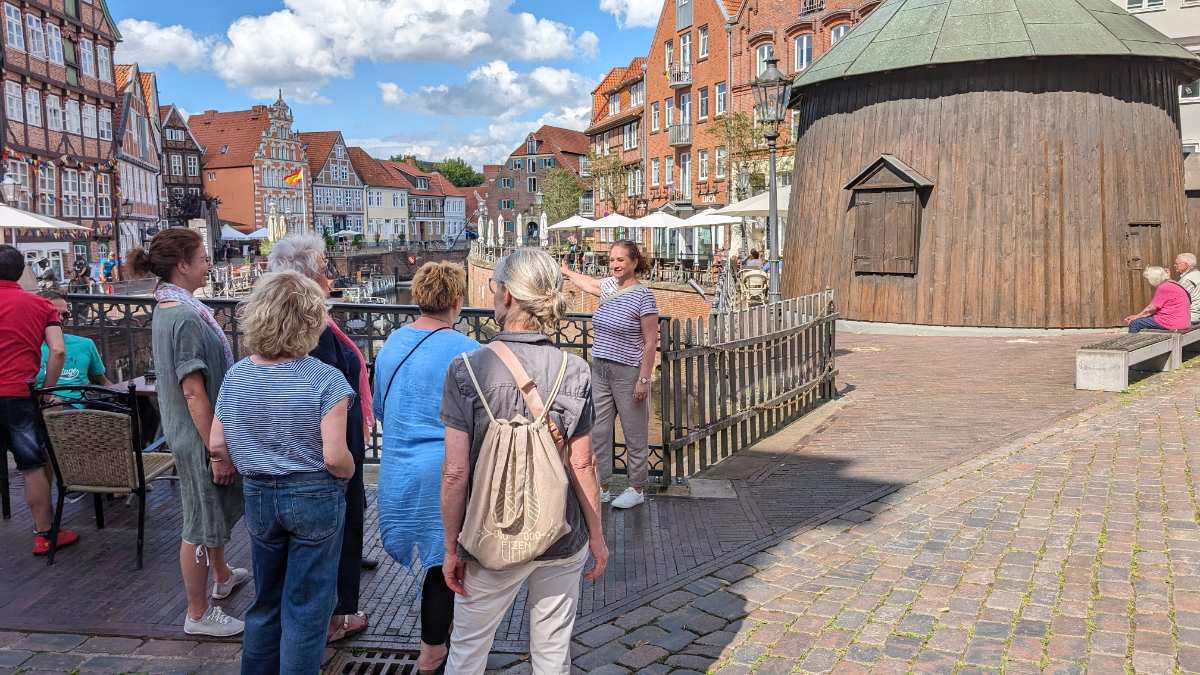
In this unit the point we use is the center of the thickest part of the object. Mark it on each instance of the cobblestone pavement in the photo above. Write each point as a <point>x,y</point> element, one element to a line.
<point>1075,548</point>
<point>34,653</point>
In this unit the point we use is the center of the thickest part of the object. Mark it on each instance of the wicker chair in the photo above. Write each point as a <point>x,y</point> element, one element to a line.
<point>97,449</point>
<point>752,286</point>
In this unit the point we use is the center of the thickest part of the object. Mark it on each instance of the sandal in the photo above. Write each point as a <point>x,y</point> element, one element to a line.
<point>441,668</point>
<point>344,631</point>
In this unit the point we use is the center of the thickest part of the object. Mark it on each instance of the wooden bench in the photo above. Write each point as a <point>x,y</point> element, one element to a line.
<point>1104,366</point>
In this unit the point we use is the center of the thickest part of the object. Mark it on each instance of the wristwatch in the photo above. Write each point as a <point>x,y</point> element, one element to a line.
<point>643,380</point>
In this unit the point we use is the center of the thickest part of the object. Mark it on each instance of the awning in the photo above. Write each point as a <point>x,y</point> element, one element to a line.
<point>230,234</point>
<point>658,220</point>
<point>610,222</point>
<point>17,220</point>
<point>573,223</point>
<point>758,205</point>
<point>709,218</point>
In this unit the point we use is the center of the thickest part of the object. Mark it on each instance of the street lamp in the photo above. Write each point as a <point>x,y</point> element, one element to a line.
<point>771,92</point>
<point>8,187</point>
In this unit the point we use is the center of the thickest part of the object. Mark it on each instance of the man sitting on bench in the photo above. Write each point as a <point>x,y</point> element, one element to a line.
<point>1189,278</point>
<point>1170,308</point>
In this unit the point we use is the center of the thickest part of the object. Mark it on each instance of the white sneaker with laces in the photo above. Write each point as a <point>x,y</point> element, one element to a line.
<point>628,499</point>
<point>239,576</point>
<point>214,623</point>
<point>605,496</point>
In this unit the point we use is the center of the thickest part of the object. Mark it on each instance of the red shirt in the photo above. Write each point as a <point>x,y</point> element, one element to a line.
<point>1172,306</point>
<point>23,321</point>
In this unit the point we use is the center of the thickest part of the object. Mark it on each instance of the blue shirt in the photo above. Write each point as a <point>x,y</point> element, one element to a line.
<point>272,414</point>
<point>81,364</point>
<point>410,466</point>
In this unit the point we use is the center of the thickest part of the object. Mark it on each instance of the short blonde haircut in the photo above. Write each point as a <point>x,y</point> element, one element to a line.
<point>1156,275</point>
<point>437,285</point>
<point>284,316</point>
<point>535,281</point>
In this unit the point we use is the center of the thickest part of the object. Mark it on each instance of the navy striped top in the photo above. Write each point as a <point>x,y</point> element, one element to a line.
<point>272,414</point>
<point>618,322</point>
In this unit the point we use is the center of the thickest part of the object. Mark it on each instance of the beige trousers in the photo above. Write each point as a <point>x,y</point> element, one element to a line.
<point>612,394</point>
<point>553,596</point>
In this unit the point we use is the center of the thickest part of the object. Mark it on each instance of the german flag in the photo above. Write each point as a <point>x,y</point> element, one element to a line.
<point>293,178</point>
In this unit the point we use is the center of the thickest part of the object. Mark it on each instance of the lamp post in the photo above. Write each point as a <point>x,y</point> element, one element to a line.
<point>125,209</point>
<point>8,190</point>
<point>771,92</point>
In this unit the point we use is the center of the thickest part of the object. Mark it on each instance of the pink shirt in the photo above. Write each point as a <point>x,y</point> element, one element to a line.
<point>1172,306</point>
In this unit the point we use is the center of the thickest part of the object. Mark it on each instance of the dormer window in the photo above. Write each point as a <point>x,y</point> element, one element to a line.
<point>422,183</point>
<point>531,145</point>
<point>224,149</point>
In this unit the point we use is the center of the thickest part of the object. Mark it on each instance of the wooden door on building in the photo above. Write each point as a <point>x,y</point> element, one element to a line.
<point>1143,246</point>
<point>886,232</point>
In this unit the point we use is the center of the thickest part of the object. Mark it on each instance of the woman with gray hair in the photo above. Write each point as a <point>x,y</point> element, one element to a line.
<point>1168,309</point>
<point>306,254</point>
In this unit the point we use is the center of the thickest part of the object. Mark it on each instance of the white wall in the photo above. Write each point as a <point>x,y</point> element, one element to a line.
<point>1178,19</point>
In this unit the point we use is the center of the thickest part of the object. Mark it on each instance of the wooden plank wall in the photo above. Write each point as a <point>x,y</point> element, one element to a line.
<point>1039,167</point>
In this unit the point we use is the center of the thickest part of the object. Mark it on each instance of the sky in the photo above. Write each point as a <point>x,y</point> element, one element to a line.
<point>434,78</point>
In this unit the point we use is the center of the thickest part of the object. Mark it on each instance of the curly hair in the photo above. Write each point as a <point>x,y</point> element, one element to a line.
<point>284,316</point>
<point>437,285</point>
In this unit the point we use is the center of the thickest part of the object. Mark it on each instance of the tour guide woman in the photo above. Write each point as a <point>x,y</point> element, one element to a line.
<point>191,355</point>
<point>626,325</point>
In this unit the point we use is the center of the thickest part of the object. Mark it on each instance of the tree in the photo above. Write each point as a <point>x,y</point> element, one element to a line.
<point>560,194</point>
<point>187,206</point>
<point>741,138</point>
<point>457,171</point>
<point>609,178</point>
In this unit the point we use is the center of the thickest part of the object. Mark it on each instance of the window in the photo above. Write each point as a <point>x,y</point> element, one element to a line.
<point>703,103</point>
<point>103,196</point>
<point>630,133</point>
<point>654,171</point>
<point>669,119</point>
<point>70,56</point>
<point>193,165</point>
<point>212,175</point>
<point>33,107</point>
<point>14,105</point>
<point>1190,91</point>
<point>719,93</point>
<point>761,54</point>
<point>106,130</point>
<point>804,51</point>
<point>12,27</point>
<point>614,103</point>
<point>839,31</point>
<point>685,108</point>
<point>685,174</point>
<point>702,160</point>
<point>70,191</point>
<point>104,63</point>
<point>86,56</point>
<point>531,184</point>
<point>1189,148</point>
<point>703,40</point>
<point>176,165</point>
<point>531,145</point>
<point>637,94</point>
<point>72,113</point>
<point>654,116</point>
<point>1134,5</point>
<point>722,161</point>
<point>685,51</point>
<point>87,194</point>
<point>37,36</point>
<point>670,171</point>
<point>54,45</point>
<point>54,120</point>
<point>46,189</point>
<point>19,170</point>
<point>669,52</point>
<point>89,120</point>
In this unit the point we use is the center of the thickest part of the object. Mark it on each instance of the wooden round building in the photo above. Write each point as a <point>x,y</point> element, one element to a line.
<point>1002,163</point>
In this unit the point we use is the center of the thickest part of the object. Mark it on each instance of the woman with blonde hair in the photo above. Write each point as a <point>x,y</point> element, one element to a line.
<point>409,372</point>
<point>281,416</point>
<point>482,387</point>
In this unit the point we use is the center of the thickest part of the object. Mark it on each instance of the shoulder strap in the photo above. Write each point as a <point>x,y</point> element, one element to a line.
<point>528,388</point>
<point>392,379</point>
<point>478,390</point>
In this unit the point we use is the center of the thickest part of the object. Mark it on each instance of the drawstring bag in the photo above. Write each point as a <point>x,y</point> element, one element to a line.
<point>518,503</point>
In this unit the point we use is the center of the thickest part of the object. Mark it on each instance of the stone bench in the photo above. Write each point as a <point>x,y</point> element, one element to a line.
<point>1184,338</point>
<point>1104,366</point>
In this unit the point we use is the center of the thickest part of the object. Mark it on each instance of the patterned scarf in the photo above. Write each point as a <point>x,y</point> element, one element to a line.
<point>364,380</point>
<point>170,292</point>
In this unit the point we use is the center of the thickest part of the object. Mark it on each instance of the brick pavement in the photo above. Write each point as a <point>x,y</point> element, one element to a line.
<point>1074,548</point>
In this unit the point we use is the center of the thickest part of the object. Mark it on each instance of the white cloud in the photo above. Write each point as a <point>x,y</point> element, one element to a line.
<point>310,42</point>
<point>153,46</point>
<point>493,89</point>
<point>633,13</point>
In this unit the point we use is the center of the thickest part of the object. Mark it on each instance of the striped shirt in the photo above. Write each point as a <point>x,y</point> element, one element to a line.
<point>618,322</point>
<point>272,414</point>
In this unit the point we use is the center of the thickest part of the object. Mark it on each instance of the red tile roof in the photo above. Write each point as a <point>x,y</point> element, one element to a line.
<point>556,140</point>
<point>122,73</point>
<point>238,133</point>
<point>320,144</point>
<point>411,173</point>
<point>163,111</point>
<point>374,172</point>
<point>731,7</point>
<point>149,89</point>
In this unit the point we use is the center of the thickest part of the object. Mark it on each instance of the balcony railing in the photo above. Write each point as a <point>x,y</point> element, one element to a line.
<point>679,75</point>
<point>812,7</point>
<point>587,206</point>
<point>679,134</point>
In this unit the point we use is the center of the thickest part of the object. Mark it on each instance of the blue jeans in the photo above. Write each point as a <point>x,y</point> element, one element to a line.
<point>295,525</point>
<point>1144,323</point>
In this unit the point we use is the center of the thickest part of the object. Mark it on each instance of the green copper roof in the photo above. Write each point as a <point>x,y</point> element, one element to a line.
<point>908,33</point>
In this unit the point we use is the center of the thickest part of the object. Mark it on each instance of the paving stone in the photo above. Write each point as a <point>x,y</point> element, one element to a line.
<point>609,669</point>
<point>692,661</point>
<point>115,663</point>
<point>10,638</point>
<point>13,657</point>
<point>642,635</point>
<point>734,572</point>
<point>692,619</point>
<point>166,648</point>
<point>820,660</point>
<point>50,642</point>
<point>704,586</point>
<point>638,617</point>
<point>600,656</point>
<point>216,650</point>
<point>600,635</point>
<point>722,604</point>
<point>919,624</point>
<point>674,641</point>
<point>673,601</point>
<point>640,657</point>
<point>110,645</point>
<point>53,661</point>
<point>864,653</point>
<point>499,660</point>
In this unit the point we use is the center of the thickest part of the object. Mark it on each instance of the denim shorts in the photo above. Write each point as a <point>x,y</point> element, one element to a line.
<point>19,433</point>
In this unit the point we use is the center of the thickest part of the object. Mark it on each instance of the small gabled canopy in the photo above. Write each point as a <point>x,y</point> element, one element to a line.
<point>888,166</point>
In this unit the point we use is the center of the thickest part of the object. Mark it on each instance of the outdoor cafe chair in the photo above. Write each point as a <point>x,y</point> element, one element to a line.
<point>98,449</point>
<point>753,286</point>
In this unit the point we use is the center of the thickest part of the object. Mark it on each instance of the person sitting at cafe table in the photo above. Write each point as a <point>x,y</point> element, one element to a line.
<point>754,262</point>
<point>82,365</point>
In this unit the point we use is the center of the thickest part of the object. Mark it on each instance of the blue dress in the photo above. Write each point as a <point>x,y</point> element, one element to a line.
<point>410,469</point>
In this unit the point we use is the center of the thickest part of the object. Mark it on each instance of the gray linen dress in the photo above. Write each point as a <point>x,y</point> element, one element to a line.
<point>183,344</point>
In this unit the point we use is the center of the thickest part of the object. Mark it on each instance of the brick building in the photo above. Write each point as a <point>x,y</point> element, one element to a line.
<point>247,155</point>
<point>337,188</point>
<point>514,197</point>
<point>618,127</point>
<point>387,197</point>
<point>138,144</point>
<point>182,154</point>
<point>59,99</point>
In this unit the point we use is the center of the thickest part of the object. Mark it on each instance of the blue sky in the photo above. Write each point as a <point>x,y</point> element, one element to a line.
<point>433,77</point>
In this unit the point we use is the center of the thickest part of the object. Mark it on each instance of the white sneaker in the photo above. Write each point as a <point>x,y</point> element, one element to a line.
<point>605,496</point>
<point>238,577</point>
<point>628,499</point>
<point>214,623</point>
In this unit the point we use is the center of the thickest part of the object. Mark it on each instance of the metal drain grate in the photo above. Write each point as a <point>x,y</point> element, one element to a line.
<point>361,662</point>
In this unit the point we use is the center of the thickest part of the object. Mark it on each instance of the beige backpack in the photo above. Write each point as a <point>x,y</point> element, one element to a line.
<point>518,503</point>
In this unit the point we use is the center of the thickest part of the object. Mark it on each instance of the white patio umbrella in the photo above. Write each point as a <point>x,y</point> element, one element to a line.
<point>544,230</point>
<point>346,233</point>
<point>573,223</point>
<point>17,220</point>
<point>230,234</point>
<point>758,205</point>
<point>611,221</point>
<point>709,218</point>
<point>658,220</point>
<point>491,235</point>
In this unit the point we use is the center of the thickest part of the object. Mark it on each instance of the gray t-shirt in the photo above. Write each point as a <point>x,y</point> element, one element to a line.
<point>1191,283</point>
<point>571,410</point>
